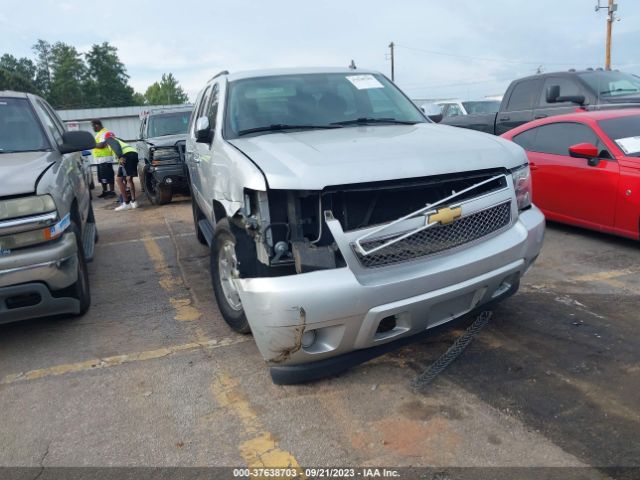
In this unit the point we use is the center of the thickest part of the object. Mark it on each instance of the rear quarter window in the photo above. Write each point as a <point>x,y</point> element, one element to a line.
<point>524,96</point>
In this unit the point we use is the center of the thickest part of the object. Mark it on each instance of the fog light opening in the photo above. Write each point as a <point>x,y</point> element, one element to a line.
<point>308,338</point>
<point>502,289</point>
<point>23,300</point>
<point>386,324</point>
<point>168,180</point>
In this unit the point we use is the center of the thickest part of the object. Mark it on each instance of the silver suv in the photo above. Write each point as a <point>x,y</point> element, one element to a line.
<point>341,220</point>
<point>47,227</point>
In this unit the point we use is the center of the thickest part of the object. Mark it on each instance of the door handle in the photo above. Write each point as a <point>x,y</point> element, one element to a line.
<point>542,115</point>
<point>504,119</point>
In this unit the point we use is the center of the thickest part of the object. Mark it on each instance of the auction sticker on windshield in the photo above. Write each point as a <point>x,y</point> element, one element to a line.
<point>629,145</point>
<point>364,82</point>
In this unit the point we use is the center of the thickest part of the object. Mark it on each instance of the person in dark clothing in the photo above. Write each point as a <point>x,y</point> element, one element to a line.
<point>128,168</point>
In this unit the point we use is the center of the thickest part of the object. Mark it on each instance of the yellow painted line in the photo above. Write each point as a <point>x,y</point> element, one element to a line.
<point>138,240</point>
<point>261,450</point>
<point>117,360</point>
<point>595,277</point>
<point>183,305</point>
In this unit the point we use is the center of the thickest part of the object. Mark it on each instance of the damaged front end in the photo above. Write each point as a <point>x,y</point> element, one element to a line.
<point>292,236</point>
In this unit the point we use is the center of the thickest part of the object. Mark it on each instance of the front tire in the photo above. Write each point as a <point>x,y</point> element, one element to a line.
<point>224,268</point>
<point>156,193</point>
<point>80,289</point>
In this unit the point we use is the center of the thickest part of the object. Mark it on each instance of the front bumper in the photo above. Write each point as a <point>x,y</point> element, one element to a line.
<point>37,272</point>
<point>176,172</point>
<point>346,310</point>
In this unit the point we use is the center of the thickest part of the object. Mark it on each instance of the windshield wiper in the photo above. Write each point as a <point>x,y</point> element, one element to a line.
<point>283,126</point>
<point>366,120</point>
<point>616,90</point>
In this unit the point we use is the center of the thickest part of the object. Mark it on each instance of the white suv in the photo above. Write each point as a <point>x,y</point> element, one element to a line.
<point>341,220</point>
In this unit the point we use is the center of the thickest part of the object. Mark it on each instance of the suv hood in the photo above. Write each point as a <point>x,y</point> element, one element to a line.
<point>166,140</point>
<point>312,160</point>
<point>21,171</point>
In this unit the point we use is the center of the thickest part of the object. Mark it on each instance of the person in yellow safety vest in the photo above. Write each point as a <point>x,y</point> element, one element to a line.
<point>127,169</point>
<point>104,158</point>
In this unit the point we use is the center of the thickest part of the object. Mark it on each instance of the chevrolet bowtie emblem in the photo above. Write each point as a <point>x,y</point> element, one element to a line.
<point>445,216</point>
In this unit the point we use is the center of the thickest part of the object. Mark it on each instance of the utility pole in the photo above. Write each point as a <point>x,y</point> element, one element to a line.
<point>612,7</point>
<point>391,45</point>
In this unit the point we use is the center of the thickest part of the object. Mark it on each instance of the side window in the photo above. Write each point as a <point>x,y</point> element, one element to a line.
<point>50,123</point>
<point>556,138</point>
<point>454,110</point>
<point>526,139</point>
<point>200,108</point>
<point>61,126</point>
<point>524,96</point>
<point>567,87</point>
<point>212,109</point>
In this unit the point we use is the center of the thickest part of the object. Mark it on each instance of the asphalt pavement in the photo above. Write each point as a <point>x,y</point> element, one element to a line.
<point>152,376</point>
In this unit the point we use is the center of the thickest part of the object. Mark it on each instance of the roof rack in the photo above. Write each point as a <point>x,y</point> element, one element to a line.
<point>223,72</point>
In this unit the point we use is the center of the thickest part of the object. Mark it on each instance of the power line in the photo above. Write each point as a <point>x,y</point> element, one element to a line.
<point>484,59</point>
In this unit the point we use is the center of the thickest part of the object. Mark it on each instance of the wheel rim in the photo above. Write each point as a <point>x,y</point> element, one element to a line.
<point>227,271</point>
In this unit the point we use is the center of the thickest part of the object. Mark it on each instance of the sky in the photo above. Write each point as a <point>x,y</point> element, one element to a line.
<point>463,49</point>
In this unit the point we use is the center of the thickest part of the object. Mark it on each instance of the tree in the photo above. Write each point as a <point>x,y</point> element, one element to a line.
<point>167,92</point>
<point>68,75</point>
<point>17,74</point>
<point>43,67</point>
<point>138,98</point>
<point>106,84</point>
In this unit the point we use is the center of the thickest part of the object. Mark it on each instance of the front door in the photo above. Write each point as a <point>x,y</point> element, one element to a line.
<point>569,189</point>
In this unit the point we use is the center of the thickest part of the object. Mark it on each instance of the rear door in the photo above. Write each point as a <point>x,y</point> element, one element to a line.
<point>519,108</point>
<point>566,188</point>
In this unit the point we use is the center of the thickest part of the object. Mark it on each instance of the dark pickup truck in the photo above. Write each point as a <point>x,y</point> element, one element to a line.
<point>161,166</point>
<point>548,94</point>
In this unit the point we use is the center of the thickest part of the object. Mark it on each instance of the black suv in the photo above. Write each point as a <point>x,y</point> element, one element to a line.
<point>161,166</point>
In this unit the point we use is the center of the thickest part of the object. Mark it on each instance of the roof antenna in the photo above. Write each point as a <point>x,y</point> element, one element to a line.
<point>352,65</point>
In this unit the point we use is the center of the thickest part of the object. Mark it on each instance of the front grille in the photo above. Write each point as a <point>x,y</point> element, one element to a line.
<point>437,238</point>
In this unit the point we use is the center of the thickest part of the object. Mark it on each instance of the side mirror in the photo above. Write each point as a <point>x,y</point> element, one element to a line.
<point>553,96</point>
<point>585,150</point>
<point>76,142</point>
<point>553,92</point>
<point>435,118</point>
<point>579,99</point>
<point>203,130</point>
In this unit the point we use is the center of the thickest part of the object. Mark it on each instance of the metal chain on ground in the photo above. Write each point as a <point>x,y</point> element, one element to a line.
<point>426,377</point>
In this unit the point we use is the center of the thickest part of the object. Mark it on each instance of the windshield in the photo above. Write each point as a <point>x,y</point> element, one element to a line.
<point>611,84</point>
<point>625,131</point>
<point>20,130</point>
<point>168,124</point>
<point>484,106</point>
<point>268,104</point>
